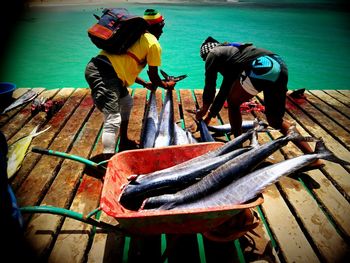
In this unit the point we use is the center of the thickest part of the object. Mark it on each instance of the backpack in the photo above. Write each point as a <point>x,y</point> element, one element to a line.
<point>238,45</point>
<point>116,30</point>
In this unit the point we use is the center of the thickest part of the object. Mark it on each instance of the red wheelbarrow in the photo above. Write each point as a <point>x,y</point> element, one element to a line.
<point>142,161</point>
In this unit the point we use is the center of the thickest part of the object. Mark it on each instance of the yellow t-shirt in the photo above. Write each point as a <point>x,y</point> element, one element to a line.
<point>147,49</point>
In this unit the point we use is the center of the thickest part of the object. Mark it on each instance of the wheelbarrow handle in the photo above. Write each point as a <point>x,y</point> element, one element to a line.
<point>73,157</point>
<point>71,214</point>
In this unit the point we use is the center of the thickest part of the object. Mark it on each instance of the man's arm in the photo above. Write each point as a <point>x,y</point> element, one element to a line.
<point>155,79</point>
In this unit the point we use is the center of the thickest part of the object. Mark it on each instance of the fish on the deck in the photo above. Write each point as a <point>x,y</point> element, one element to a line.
<point>182,136</point>
<point>18,150</point>
<point>248,187</point>
<point>25,98</point>
<point>204,132</point>
<point>226,173</point>
<point>150,123</point>
<point>165,132</point>
<point>226,128</point>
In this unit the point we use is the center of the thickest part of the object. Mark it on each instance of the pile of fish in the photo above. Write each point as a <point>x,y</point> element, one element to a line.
<point>162,131</point>
<point>226,176</point>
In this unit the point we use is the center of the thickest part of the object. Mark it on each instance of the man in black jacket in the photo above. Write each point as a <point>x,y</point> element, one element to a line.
<point>246,70</point>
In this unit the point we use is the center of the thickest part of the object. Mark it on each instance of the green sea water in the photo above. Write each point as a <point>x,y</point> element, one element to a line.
<point>50,47</point>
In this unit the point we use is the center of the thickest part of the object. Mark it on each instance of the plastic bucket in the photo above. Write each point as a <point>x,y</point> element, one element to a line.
<point>6,91</point>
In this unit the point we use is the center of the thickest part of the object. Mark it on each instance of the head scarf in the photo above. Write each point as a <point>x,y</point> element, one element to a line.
<point>207,46</point>
<point>153,17</point>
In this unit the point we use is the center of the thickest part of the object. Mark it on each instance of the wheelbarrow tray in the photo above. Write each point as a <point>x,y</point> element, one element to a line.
<point>161,221</point>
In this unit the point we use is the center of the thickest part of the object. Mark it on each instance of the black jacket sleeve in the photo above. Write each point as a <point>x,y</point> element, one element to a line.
<point>211,74</point>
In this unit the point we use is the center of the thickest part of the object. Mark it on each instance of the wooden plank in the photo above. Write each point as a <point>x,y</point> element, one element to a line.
<point>106,246</point>
<point>335,104</point>
<point>19,119</point>
<point>187,103</point>
<point>335,171</point>
<point>293,245</point>
<point>38,120</point>
<point>73,238</point>
<point>137,112</point>
<point>318,226</point>
<point>74,235</point>
<point>333,115</point>
<point>39,179</point>
<point>345,92</point>
<point>332,128</point>
<point>177,115</point>
<point>339,96</point>
<point>332,197</point>
<point>62,190</point>
<point>42,141</point>
<point>6,116</point>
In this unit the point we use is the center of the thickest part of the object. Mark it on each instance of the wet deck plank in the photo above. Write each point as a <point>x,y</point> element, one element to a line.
<point>303,218</point>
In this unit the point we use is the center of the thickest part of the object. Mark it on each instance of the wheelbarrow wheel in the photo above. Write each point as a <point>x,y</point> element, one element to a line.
<point>235,227</point>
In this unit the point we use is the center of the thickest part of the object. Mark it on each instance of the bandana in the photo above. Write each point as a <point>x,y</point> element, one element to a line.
<point>207,46</point>
<point>153,17</point>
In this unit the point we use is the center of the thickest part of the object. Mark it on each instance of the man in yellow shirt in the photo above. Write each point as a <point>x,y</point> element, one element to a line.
<point>109,75</point>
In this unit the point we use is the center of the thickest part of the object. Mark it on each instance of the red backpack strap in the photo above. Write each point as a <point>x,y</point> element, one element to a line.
<point>138,61</point>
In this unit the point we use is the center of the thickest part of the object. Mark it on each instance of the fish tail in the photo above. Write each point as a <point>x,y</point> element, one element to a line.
<point>32,134</point>
<point>326,154</point>
<point>294,135</point>
<point>254,142</point>
<point>260,126</point>
<point>35,133</point>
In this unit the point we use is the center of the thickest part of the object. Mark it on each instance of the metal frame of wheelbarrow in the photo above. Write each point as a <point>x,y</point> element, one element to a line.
<point>145,222</point>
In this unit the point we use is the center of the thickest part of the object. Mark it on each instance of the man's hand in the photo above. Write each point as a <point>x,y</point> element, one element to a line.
<point>201,113</point>
<point>150,86</point>
<point>170,84</point>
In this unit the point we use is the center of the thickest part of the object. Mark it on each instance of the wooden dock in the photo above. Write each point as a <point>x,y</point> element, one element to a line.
<point>304,218</point>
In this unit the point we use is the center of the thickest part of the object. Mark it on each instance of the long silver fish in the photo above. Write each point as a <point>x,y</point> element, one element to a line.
<point>133,194</point>
<point>226,128</point>
<point>165,133</point>
<point>227,172</point>
<point>182,137</point>
<point>204,132</point>
<point>25,98</point>
<point>150,123</point>
<point>227,147</point>
<point>244,189</point>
